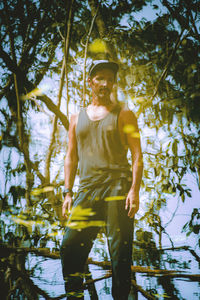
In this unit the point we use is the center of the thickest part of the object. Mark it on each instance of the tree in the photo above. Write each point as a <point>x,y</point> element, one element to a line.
<point>158,78</point>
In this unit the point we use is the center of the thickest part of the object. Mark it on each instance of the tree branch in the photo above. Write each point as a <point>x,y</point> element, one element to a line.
<point>55,119</point>
<point>44,98</point>
<point>52,107</point>
<point>104,264</point>
<point>66,49</point>
<point>33,41</point>
<point>142,291</point>
<point>10,64</point>
<point>103,32</point>
<point>85,55</point>
<point>164,73</point>
<point>22,136</point>
<point>184,23</point>
<point>25,277</point>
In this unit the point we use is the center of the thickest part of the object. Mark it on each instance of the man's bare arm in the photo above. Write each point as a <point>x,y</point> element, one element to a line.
<point>70,164</point>
<point>130,136</point>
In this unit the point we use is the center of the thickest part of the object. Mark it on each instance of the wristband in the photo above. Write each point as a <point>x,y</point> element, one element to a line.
<point>67,191</point>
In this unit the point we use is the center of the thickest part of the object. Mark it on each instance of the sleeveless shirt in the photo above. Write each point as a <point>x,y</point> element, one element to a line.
<point>102,157</point>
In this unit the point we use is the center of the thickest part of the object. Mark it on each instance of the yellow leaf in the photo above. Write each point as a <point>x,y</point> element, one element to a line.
<point>161,295</point>
<point>46,189</point>
<point>184,42</point>
<point>55,224</point>
<point>53,234</point>
<point>129,128</point>
<point>79,213</point>
<point>85,224</point>
<point>138,99</point>
<point>97,46</point>
<point>28,224</point>
<point>113,198</point>
<point>135,135</point>
<point>35,92</point>
<point>82,275</point>
<point>76,294</point>
<point>39,222</point>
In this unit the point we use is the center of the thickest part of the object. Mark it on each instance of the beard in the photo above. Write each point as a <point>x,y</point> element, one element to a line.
<point>104,92</point>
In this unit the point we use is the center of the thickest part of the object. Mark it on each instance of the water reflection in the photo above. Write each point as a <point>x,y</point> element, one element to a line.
<point>30,267</point>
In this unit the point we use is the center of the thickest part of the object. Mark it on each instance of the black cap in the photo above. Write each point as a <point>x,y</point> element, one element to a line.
<point>101,64</point>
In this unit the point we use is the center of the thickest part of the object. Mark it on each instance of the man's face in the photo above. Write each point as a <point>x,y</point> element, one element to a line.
<point>102,83</point>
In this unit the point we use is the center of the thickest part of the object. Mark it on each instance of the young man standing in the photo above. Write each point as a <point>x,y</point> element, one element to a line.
<point>98,140</point>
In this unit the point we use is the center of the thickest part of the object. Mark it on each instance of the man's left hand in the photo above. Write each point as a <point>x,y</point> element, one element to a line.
<point>132,203</point>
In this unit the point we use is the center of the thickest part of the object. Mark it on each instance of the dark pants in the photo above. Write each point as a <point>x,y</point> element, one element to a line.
<point>77,242</point>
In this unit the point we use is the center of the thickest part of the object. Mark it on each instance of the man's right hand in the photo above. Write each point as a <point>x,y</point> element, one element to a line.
<point>66,207</point>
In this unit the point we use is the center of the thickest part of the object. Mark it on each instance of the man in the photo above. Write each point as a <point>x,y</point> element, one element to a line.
<point>99,137</point>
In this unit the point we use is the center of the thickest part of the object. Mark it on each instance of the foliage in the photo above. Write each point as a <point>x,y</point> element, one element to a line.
<point>158,79</point>
<point>193,226</point>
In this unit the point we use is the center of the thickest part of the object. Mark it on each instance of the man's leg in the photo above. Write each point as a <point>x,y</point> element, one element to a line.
<point>77,243</point>
<point>74,252</point>
<point>120,239</point>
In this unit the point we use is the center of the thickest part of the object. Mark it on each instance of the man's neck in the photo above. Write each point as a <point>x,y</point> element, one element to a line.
<point>97,101</point>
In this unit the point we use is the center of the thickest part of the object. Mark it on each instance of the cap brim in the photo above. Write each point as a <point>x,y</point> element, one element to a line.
<point>98,65</point>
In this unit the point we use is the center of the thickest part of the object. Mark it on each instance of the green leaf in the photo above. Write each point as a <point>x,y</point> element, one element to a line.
<point>175,147</point>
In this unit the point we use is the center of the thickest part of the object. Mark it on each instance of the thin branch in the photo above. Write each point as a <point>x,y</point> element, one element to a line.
<point>54,129</point>
<point>41,73</point>
<point>14,61</point>
<point>62,37</point>
<point>33,41</point>
<point>22,138</point>
<point>107,264</point>
<point>24,275</point>
<point>9,62</point>
<point>52,107</point>
<point>32,164</point>
<point>41,109</point>
<point>49,103</point>
<point>103,32</point>
<point>173,214</point>
<point>29,86</point>
<point>85,285</point>
<point>195,255</point>
<point>142,291</point>
<point>186,248</point>
<point>55,119</point>
<point>89,282</point>
<point>90,285</point>
<point>184,23</point>
<point>164,73</point>
<point>85,55</point>
<point>66,52</point>
<point>194,25</point>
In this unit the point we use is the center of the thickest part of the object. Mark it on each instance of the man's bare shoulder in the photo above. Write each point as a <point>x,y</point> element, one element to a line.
<point>127,116</point>
<point>74,119</point>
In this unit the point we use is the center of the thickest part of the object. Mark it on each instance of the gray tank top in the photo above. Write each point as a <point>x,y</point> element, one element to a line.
<point>100,151</point>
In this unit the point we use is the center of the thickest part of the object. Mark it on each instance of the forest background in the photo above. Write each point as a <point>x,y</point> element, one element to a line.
<point>45,50</point>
